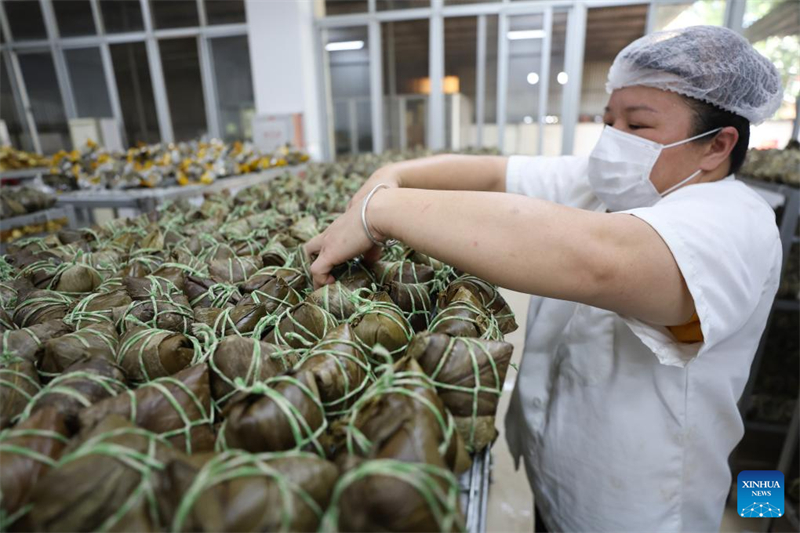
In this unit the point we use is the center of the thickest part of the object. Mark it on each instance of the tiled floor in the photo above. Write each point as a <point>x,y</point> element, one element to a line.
<point>510,499</point>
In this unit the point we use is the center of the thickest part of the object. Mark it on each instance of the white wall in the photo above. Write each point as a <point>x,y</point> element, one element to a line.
<point>281,35</point>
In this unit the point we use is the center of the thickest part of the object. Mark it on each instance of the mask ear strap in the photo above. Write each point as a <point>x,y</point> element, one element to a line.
<point>690,178</point>
<point>690,139</point>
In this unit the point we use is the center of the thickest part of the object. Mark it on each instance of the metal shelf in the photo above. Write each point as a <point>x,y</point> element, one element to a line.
<point>39,217</point>
<point>787,304</point>
<point>770,427</point>
<point>474,485</point>
<point>23,173</point>
<point>791,514</point>
<point>146,200</point>
<point>770,187</point>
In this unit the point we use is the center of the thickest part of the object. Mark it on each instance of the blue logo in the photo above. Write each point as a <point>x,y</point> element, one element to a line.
<point>760,493</point>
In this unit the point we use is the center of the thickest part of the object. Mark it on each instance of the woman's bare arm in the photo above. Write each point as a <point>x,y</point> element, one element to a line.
<point>613,261</point>
<point>442,172</point>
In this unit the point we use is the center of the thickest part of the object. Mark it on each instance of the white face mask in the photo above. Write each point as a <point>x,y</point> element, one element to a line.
<point>620,166</point>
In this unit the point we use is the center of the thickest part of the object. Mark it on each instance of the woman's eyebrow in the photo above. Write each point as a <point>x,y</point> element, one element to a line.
<point>633,108</point>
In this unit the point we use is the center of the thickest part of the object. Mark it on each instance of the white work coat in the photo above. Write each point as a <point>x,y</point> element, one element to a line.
<point>621,426</point>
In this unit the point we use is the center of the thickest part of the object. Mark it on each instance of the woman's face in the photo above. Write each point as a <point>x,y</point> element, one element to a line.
<point>659,116</point>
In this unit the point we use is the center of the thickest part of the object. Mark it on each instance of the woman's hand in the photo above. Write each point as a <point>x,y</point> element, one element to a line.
<point>388,175</point>
<point>343,240</point>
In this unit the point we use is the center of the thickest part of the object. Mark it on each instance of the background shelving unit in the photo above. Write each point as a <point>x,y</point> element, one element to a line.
<point>144,200</point>
<point>23,174</point>
<point>38,217</point>
<point>779,437</point>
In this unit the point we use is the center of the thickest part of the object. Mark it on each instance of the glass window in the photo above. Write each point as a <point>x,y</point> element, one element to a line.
<point>234,82</point>
<point>135,88</point>
<point>364,124</point>
<point>174,13</point>
<point>525,34</point>
<point>74,17</point>
<point>490,107</point>
<point>343,139</point>
<point>225,11</point>
<point>767,25</point>
<point>406,85</point>
<point>25,20</point>
<point>553,127</point>
<point>689,13</point>
<point>181,65</point>
<point>348,59</point>
<point>461,83</point>
<point>460,87</point>
<point>9,112</point>
<point>122,15</point>
<point>608,31</point>
<point>343,7</point>
<point>39,74</point>
<point>389,5</point>
<point>85,68</point>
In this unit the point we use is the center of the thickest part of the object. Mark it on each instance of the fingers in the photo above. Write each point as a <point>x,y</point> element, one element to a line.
<point>313,246</point>
<point>321,272</point>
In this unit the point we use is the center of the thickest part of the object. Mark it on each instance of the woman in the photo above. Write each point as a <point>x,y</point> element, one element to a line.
<point>653,271</point>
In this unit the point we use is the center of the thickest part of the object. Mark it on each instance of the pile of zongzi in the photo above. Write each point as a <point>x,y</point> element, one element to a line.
<point>775,165</point>
<point>178,372</point>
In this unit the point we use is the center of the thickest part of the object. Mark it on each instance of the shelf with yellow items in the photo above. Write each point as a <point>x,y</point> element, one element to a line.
<point>12,160</point>
<point>39,222</point>
<point>146,199</point>
<point>197,162</point>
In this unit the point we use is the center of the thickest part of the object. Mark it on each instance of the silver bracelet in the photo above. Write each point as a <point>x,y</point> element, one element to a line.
<point>375,241</point>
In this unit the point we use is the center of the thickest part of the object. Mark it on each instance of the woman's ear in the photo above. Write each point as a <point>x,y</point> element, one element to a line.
<point>718,151</point>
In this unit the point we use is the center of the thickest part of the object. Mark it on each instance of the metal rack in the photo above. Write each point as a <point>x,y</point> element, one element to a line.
<point>789,453</point>
<point>38,217</point>
<point>145,200</point>
<point>474,485</point>
<point>788,225</point>
<point>23,173</point>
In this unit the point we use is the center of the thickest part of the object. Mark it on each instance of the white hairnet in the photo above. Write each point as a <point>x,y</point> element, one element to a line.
<point>709,63</point>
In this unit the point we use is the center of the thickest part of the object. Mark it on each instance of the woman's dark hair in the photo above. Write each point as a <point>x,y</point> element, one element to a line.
<point>708,117</point>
